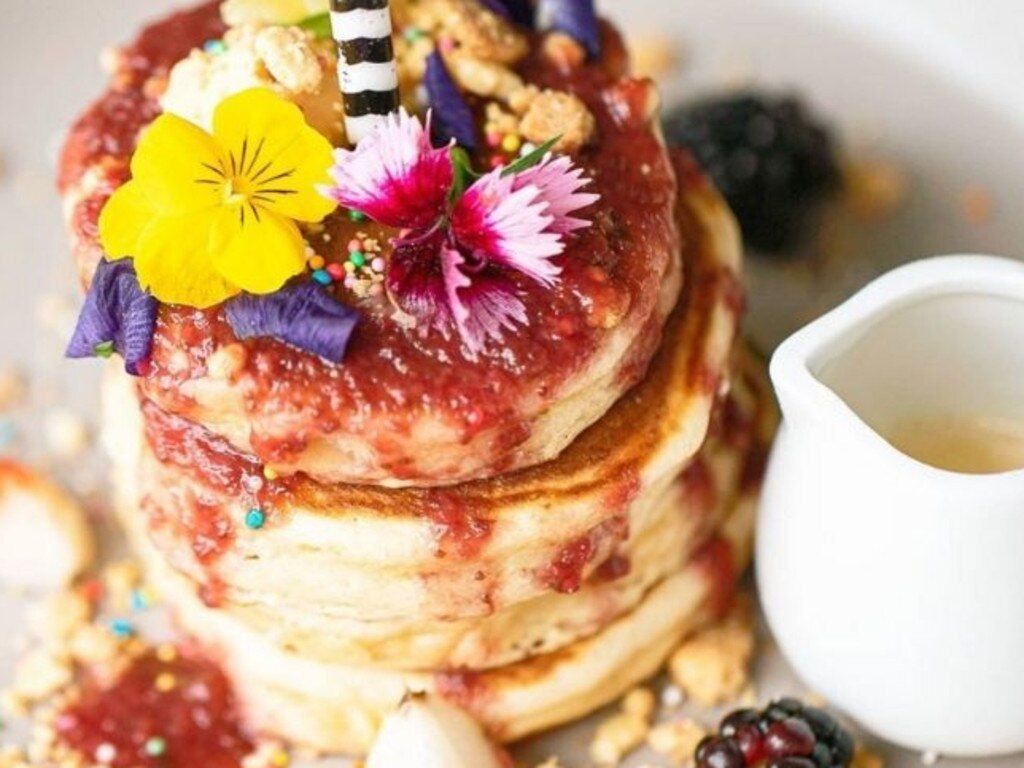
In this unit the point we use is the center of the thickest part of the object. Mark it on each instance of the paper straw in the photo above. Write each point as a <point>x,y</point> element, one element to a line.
<point>366,63</point>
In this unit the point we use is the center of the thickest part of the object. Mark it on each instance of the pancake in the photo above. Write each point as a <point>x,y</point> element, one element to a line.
<point>345,544</point>
<point>338,707</point>
<point>659,542</point>
<point>408,408</point>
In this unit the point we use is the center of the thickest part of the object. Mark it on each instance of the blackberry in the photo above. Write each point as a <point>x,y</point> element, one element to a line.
<point>785,734</point>
<point>771,159</point>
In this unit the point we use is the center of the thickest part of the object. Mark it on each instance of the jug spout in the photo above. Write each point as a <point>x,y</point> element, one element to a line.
<point>937,339</point>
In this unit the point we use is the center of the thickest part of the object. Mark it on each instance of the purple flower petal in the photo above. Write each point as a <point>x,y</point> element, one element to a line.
<point>117,315</point>
<point>576,18</point>
<point>520,11</point>
<point>453,119</point>
<point>303,315</point>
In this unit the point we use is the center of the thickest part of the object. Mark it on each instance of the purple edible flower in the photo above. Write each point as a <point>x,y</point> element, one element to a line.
<point>118,316</point>
<point>520,11</point>
<point>453,119</point>
<point>576,18</point>
<point>303,315</point>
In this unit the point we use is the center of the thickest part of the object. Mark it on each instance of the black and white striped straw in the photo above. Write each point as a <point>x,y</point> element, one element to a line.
<point>366,63</point>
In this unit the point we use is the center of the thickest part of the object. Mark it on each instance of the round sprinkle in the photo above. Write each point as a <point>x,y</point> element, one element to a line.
<point>497,161</point>
<point>165,682</point>
<point>349,267</point>
<point>269,472</point>
<point>358,258</point>
<point>122,628</point>
<point>255,518</point>
<point>166,653</point>
<point>216,47</point>
<point>140,599</point>
<point>350,282</point>
<point>511,143</point>
<point>106,753</point>
<point>356,216</point>
<point>493,139</point>
<point>280,759</point>
<point>336,271</point>
<point>446,44</point>
<point>354,245</point>
<point>322,277</point>
<point>316,262</point>
<point>377,265</point>
<point>412,34</point>
<point>527,148</point>
<point>156,746</point>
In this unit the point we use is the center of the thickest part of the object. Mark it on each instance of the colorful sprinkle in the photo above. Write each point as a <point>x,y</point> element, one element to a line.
<point>493,139</point>
<point>255,518</point>
<point>413,34</point>
<point>354,245</point>
<point>497,161</point>
<point>215,47</point>
<point>336,271</point>
<point>358,258</point>
<point>122,628</point>
<point>166,653</point>
<point>269,472</point>
<point>280,759</point>
<point>104,349</point>
<point>446,44</point>
<point>527,148</point>
<point>140,599</point>
<point>106,753</point>
<point>92,590</point>
<point>156,746</point>
<point>511,143</point>
<point>316,262</point>
<point>356,216</point>
<point>165,682</point>
<point>377,265</point>
<point>322,277</point>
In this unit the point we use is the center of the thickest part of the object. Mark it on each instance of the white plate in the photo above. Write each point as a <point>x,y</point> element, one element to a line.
<point>931,84</point>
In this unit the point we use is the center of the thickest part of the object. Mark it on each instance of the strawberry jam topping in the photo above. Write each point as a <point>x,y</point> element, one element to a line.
<point>458,531</point>
<point>175,714</point>
<point>394,377</point>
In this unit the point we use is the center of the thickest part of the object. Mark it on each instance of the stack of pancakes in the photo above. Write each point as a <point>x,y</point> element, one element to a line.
<point>334,558</point>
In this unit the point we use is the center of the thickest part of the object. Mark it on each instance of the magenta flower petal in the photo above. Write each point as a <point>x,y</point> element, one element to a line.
<point>483,305</point>
<point>576,18</point>
<point>118,316</point>
<point>453,119</point>
<point>303,315</point>
<point>394,175</point>
<point>415,281</point>
<point>559,182</point>
<point>508,225</point>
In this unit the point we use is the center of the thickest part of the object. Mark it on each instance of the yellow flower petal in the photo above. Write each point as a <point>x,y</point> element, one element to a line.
<point>178,166</point>
<point>123,219</point>
<point>279,158</point>
<point>259,251</point>
<point>236,12</point>
<point>174,264</point>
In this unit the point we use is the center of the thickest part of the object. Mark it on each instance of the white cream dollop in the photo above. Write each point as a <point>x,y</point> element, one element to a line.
<point>288,60</point>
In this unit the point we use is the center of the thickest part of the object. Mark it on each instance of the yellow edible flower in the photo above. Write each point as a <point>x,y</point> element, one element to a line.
<point>237,12</point>
<point>206,217</point>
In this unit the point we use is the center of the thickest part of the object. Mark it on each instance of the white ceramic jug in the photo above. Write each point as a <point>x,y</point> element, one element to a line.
<point>895,588</point>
